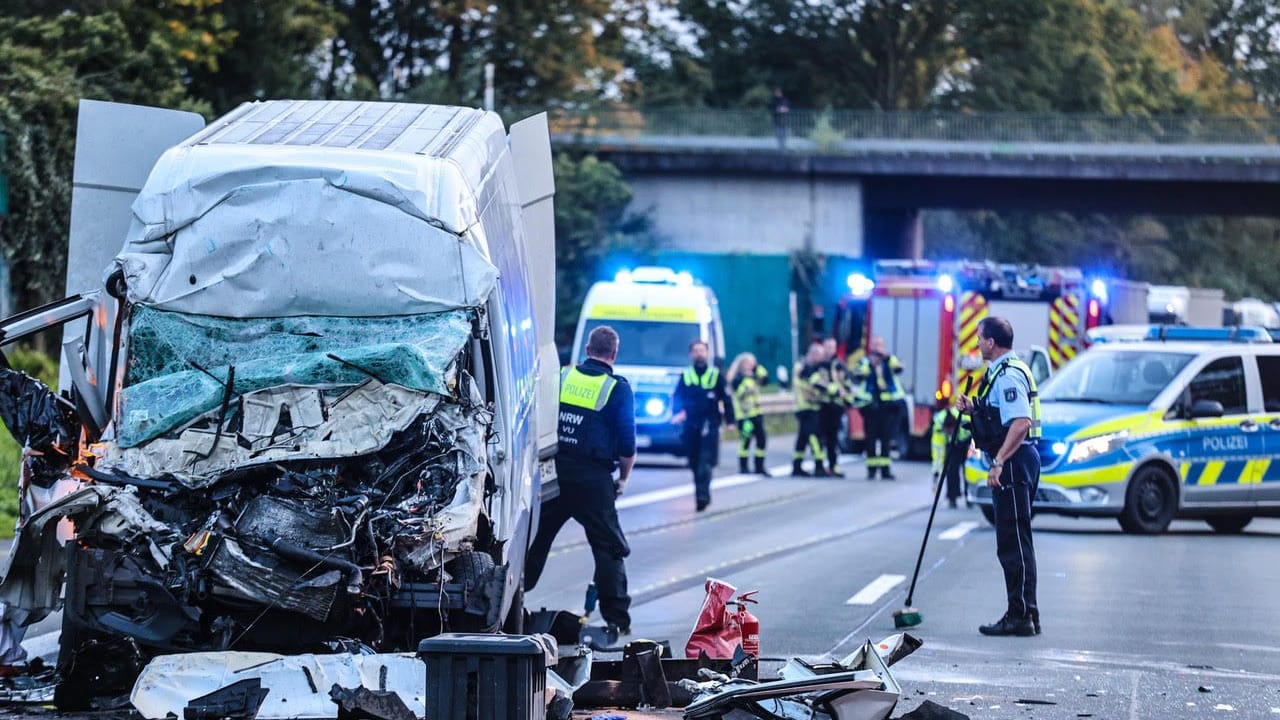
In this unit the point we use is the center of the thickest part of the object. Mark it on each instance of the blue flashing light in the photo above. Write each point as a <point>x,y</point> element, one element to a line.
<point>623,276</point>
<point>653,407</point>
<point>861,285</point>
<point>1235,334</point>
<point>1099,290</point>
<point>946,283</point>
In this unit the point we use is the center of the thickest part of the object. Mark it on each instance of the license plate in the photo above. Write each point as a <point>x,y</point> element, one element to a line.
<point>643,441</point>
<point>547,469</point>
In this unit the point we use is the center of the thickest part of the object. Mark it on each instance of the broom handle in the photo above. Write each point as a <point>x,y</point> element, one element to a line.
<point>947,454</point>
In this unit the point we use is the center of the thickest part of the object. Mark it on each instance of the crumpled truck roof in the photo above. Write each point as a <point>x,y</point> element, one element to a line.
<point>251,216</point>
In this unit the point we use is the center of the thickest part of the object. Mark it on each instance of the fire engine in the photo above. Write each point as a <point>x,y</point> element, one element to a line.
<point>928,314</point>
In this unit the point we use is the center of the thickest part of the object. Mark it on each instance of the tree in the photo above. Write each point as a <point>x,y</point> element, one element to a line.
<point>274,53</point>
<point>46,65</point>
<point>592,224</point>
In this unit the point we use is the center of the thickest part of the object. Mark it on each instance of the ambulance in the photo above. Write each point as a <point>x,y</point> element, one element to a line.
<point>657,312</point>
<point>1182,424</point>
<point>928,314</point>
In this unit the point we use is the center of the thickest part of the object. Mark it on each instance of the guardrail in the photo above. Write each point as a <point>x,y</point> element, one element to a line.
<point>778,403</point>
<point>830,128</point>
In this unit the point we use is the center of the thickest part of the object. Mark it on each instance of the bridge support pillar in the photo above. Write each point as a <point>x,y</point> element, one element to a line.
<point>892,233</point>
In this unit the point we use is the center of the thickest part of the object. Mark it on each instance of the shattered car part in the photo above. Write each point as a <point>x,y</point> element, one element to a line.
<point>365,704</point>
<point>296,686</point>
<point>859,687</point>
<point>239,701</point>
<point>312,386</point>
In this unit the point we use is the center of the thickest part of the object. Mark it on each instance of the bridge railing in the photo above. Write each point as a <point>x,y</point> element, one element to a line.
<point>830,130</point>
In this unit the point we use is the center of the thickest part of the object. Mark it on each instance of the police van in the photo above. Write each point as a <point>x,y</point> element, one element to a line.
<point>1182,424</point>
<point>657,313</point>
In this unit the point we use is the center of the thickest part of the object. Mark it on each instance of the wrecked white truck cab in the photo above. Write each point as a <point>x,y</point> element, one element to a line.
<point>324,408</point>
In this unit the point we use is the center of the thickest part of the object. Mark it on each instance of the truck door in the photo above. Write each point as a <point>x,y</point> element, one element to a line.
<point>114,156</point>
<point>530,143</point>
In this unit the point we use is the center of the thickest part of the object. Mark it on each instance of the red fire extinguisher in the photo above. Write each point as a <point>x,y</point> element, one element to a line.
<point>749,624</point>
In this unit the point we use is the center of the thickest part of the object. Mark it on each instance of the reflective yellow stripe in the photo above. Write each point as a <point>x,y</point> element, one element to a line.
<point>1211,472</point>
<point>643,312</point>
<point>1184,471</point>
<point>1255,471</point>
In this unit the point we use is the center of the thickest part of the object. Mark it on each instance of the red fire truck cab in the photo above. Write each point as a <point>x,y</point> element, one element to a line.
<point>928,314</point>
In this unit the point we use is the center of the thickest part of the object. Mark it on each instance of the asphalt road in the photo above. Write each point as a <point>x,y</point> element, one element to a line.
<point>1134,627</point>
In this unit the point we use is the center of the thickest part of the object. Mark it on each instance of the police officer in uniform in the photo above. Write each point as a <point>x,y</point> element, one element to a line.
<point>879,398</point>
<point>810,386</point>
<point>597,433</point>
<point>700,403</point>
<point>1006,422</point>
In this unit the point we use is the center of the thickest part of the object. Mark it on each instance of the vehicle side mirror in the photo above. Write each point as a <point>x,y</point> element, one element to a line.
<point>784,377</point>
<point>1206,409</point>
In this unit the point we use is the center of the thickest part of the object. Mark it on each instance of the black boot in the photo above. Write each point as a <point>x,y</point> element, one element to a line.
<point>819,470</point>
<point>760,470</point>
<point>886,473</point>
<point>834,471</point>
<point>797,469</point>
<point>742,465</point>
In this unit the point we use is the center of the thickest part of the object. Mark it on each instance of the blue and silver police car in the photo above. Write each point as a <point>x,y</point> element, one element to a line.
<point>1184,423</point>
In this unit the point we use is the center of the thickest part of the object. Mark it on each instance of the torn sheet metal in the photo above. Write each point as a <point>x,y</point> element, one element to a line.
<point>360,422</point>
<point>298,686</point>
<point>224,226</point>
<point>859,687</point>
<point>38,545</point>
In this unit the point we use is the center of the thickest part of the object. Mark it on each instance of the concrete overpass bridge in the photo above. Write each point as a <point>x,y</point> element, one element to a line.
<point>852,183</point>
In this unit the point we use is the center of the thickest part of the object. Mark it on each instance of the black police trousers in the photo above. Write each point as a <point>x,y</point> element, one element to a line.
<point>829,432</point>
<point>702,449</point>
<point>587,495</point>
<point>881,422</point>
<point>1014,548</point>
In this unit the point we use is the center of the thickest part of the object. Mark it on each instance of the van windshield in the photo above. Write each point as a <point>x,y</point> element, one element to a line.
<point>641,342</point>
<point>1115,378</point>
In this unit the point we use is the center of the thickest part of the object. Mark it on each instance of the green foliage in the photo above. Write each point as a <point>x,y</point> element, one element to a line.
<point>824,135</point>
<point>46,65</point>
<point>37,365</point>
<point>592,224</point>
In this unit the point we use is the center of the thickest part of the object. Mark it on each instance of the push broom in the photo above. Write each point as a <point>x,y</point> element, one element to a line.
<point>908,616</point>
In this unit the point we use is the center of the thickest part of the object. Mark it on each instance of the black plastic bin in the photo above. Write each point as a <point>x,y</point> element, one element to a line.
<point>473,676</point>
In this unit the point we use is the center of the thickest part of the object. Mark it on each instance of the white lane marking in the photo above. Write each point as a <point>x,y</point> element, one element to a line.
<point>686,489</point>
<point>874,591</point>
<point>957,531</point>
<point>44,645</point>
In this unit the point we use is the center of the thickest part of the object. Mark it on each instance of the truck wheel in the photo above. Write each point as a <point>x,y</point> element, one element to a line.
<point>989,512</point>
<point>468,568</point>
<point>1229,524</point>
<point>1150,502</point>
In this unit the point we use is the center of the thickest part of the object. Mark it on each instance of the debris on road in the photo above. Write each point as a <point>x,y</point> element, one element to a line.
<point>859,687</point>
<point>1206,688</point>
<point>930,710</point>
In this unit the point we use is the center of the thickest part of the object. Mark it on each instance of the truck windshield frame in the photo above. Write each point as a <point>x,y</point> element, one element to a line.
<point>647,343</point>
<point>1123,377</point>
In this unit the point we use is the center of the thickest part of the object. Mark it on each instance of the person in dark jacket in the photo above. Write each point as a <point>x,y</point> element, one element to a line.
<point>597,435</point>
<point>836,400</point>
<point>700,403</point>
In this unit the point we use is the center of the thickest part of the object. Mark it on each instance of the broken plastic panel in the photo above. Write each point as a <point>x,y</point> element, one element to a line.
<point>180,364</point>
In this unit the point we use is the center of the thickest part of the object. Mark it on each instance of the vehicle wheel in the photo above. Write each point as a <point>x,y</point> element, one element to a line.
<point>1150,502</point>
<point>989,512</point>
<point>1229,523</point>
<point>468,568</point>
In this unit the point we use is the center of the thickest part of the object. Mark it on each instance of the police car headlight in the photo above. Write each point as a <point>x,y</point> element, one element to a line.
<point>1059,447</point>
<point>653,407</point>
<point>1097,445</point>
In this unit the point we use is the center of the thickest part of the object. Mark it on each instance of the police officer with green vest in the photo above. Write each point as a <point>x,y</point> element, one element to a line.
<point>700,403</point>
<point>1006,422</point>
<point>882,403</point>
<point>597,433</point>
